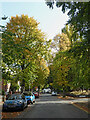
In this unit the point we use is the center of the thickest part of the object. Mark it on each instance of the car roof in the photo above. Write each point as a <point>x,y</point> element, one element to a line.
<point>16,94</point>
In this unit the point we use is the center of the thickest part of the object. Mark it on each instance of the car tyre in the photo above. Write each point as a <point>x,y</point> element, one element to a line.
<point>26,105</point>
<point>28,102</point>
<point>22,108</point>
<point>32,102</point>
<point>3,110</point>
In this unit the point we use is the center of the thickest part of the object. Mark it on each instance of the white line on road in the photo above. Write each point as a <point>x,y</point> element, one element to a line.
<point>63,102</point>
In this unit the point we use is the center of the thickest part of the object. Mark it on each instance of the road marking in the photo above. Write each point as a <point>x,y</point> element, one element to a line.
<point>62,101</point>
<point>54,102</point>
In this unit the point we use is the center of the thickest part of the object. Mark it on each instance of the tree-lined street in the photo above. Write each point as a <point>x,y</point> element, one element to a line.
<point>32,62</point>
<point>48,106</point>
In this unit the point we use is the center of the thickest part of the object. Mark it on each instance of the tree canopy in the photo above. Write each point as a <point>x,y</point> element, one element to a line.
<point>22,43</point>
<point>78,13</point>
<point>72,65</point>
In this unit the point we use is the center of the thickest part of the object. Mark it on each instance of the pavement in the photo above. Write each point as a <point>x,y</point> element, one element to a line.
<point>81,103</point>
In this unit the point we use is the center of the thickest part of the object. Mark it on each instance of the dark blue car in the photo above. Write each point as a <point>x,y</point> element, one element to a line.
<point>30,97</point>
<point>15,101</point>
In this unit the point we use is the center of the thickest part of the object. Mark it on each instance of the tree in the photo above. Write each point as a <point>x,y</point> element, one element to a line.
<point>42,72</point>
<point>71,34</point>
<point>22,42</point>
<point>78,14</point>
<point>60,42</point>
<point>60,67</point>
<point>79,69</point>
<point>78,18</point>
<point>78,33</point>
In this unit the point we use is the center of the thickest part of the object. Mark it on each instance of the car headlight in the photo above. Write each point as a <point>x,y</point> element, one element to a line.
<point>5,103</point>
<point>19,102</point>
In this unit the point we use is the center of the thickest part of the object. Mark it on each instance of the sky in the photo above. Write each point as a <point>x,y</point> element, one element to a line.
<point>51,20</point>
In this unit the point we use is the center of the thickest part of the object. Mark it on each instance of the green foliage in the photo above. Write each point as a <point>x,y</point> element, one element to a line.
<point>22,43</point>
<point>75,59</point>
<point>42,72</point>
<point>78,13</point>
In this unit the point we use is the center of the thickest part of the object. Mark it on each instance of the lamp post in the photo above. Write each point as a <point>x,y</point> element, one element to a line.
<point>4,18</point>
<point>1,31</point>
<point>1,26</point>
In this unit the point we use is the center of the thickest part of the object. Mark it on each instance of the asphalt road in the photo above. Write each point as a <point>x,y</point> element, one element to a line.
<point>48,106</point>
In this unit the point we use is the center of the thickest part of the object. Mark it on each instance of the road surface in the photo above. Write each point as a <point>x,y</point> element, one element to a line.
<point>48,106</point>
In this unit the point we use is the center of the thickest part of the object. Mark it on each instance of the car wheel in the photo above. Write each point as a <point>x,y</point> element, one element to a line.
<point>31,102</point>
<point>3,110</point>
<point>26,105</point>
<point>28,102</point>
<point>22,107</point>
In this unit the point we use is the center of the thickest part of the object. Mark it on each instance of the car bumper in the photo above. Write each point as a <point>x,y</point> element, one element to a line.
<point>8,107</point>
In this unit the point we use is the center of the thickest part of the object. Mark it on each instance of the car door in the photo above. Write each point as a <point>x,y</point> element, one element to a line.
<point>33,97</point>
<point>24,100</point>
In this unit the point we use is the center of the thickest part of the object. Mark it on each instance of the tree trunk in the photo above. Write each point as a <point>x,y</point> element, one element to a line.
<point>23,81</point>
<point>38,89</point>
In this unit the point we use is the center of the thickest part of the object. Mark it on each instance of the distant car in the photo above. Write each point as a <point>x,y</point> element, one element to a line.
<point>30,97</point>
<point>47,90</point>
<point>54,93</point>
<point>36,94</point>
<point>15,101</point>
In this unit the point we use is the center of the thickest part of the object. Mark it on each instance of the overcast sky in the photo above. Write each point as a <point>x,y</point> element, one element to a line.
<point>51,20</point>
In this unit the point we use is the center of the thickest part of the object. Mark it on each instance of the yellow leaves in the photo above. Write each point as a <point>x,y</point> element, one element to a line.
<point>17,40</point>
<point>51,84</point>
<point>16,16</point>
<point>27,52</point>
<point>43,70</point>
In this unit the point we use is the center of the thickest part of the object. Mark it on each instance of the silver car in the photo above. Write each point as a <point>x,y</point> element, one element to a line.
<point>15,101</point>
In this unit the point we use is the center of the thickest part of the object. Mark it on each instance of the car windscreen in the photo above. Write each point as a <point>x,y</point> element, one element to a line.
<point>14,97</point>
<point>27,94</point>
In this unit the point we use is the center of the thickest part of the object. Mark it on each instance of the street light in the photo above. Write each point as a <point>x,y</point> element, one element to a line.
<point>1,31</point>
<point>1,26</point>
<point>4,18</point>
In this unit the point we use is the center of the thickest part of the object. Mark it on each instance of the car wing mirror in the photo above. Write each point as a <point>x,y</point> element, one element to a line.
<point>23,97</point>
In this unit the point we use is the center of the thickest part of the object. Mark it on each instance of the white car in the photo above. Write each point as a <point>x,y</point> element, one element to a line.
<point>47,90</point>
<point>54,93</point>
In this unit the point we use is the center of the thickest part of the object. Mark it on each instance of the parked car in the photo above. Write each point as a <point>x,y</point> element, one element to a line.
<point>36,94</point>
<point>54,93</point>
<point>30,97</point>
<point>15,101</point>
<point>47,90</point>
